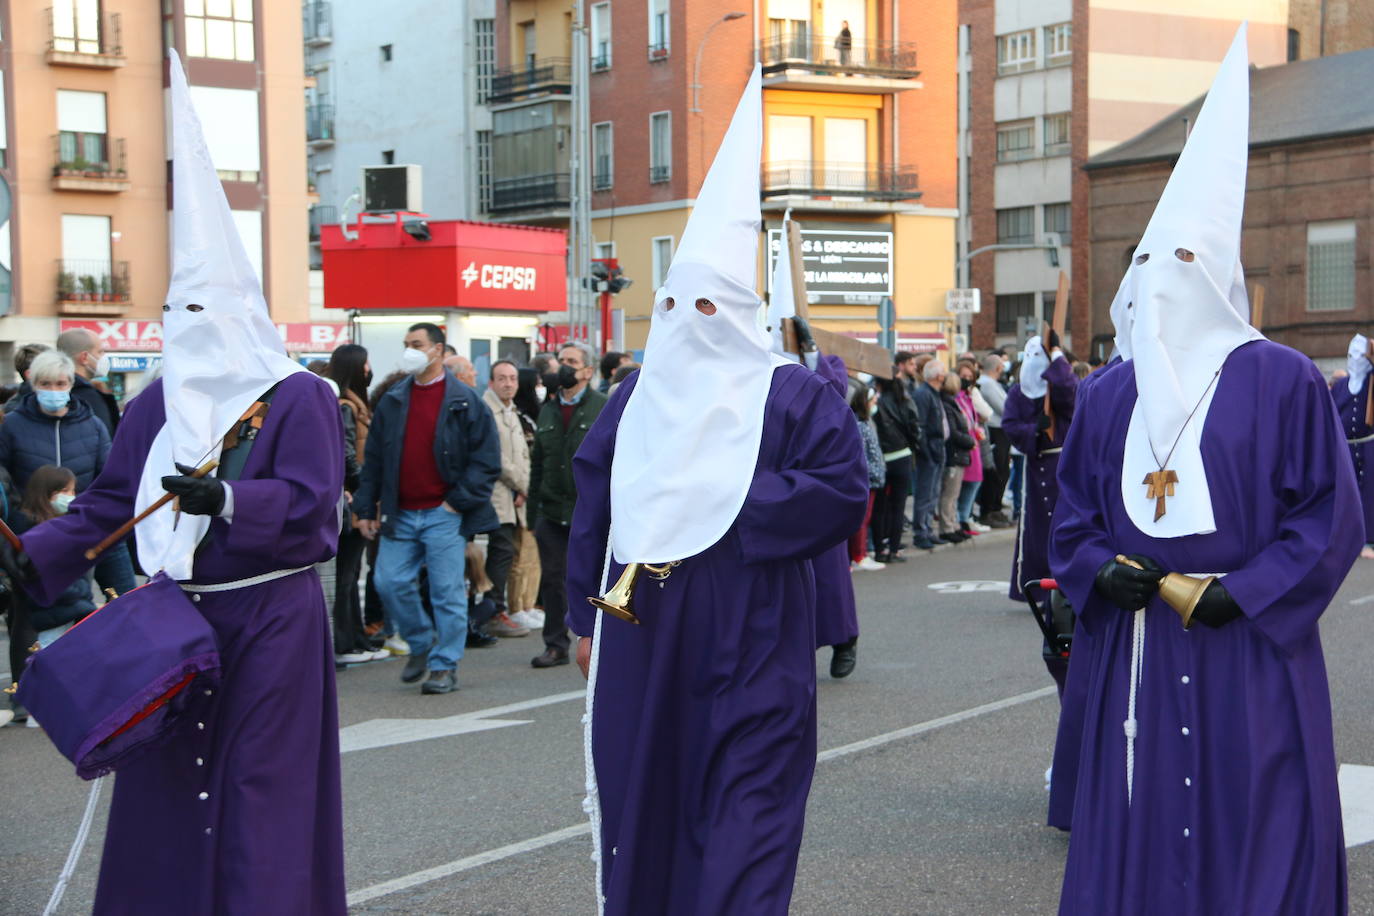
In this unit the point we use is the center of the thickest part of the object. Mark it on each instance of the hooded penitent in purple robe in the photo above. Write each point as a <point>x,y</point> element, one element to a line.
<point>703,729</point>
<point>244,815</point>
<point>1360,437</point>
<point>1019,421</point>
<point>837,616</point>
<point>1233,805</point>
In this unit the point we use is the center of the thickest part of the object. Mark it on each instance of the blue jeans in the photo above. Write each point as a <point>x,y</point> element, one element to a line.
<point>1018,469</point>
<point>968,492</point>
<point>434,538</point>
<point>928,479</point>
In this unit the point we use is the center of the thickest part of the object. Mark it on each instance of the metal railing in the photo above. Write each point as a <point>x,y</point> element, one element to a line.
<point>319,122</point>
<point>108,41</point>
<point>658,50</point>
<point>831,179</point>
<point>548,75</point>
<point>79,154</point>
<point>318,22</point>
<point>322,216</point>
<point>867,57</point>
<point>92,281</point>
<point>660,173</point>
<point>530,191</point>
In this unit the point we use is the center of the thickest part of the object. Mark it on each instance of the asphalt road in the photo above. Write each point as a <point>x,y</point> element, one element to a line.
<point>929,797</point>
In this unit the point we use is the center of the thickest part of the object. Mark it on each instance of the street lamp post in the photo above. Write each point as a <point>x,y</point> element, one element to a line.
<point>1051,246</point>
<point>701,46</point>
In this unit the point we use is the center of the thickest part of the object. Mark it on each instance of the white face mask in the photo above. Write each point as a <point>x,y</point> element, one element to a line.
<point>540,393</point>
<point>102,367</point>
<point>414,361</point>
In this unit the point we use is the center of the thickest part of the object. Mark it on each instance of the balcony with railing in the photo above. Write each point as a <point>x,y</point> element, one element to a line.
<point>77,39</point>
<point>92,287</point>
<point>318,23</point>
<point>865,65</point>
<point>863,181</point>
<point>549,76</point>
<point>531,192</point>
<point>85,161</point>
<point>321,216</point>
<point>319,125</point>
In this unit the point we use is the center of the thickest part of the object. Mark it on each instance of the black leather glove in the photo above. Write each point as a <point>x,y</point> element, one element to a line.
<point>1042,423</point>
<point>1127,587</point>
<point>198,495</point>
<point>805,342</point>
<point>16,564</point>
<point>1054,339</point>
<point>1216,607</point>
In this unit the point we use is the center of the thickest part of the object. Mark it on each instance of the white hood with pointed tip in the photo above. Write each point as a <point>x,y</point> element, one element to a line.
<point>689,438</point>
<point>1184,317</point>
<point>215,361</point>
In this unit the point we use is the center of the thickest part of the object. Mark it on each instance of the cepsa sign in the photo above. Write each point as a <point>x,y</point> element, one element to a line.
<point>146,336</point>
<point>500,276</point>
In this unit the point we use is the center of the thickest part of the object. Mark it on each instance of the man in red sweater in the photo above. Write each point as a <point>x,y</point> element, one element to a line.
<point>432,457</point>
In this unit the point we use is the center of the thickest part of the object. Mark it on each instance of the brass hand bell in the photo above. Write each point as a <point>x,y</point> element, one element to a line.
<point>1181,592</point>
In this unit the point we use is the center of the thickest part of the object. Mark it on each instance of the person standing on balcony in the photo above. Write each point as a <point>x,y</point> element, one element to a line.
<point>844,43</point>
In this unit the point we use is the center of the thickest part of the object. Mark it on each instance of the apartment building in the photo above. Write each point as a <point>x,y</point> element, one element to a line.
<point>84,162</point>
<point>859,140</point>
<point>1053,82</point>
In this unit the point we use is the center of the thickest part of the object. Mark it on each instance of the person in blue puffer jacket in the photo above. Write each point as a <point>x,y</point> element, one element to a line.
<point>50,490</point>
<point>47,427</point>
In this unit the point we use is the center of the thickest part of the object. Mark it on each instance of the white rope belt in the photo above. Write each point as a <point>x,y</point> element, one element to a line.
<point>241,583</point>
<point>1361,441</point>
<point>1050,451</point>
<point>1130,726</point>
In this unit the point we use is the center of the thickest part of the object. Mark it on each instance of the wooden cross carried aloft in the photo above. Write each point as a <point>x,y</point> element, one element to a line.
<point>1061,306</point>
<point>1161,485</point>
<point>857,355</point>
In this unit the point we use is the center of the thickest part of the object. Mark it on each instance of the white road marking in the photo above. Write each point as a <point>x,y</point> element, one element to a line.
<point>972,585</point>
<point>405,882</point>
<point>1365,600</point>
<point>1357,803</point>
<point>386,732</point>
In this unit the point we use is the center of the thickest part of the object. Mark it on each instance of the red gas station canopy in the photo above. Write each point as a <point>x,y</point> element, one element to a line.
<point>463,265</point>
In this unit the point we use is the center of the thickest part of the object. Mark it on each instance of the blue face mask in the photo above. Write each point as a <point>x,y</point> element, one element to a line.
<point>61,501</point>
<point>52,401</point>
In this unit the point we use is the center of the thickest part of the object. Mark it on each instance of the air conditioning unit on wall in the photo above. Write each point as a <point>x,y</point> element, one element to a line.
<point>391,187</point>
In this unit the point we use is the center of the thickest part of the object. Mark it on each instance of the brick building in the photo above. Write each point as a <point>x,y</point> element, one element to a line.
<point>1052,83</point>
<point>1309,209</point>
<point>859,143</point>
<point>83,156</point>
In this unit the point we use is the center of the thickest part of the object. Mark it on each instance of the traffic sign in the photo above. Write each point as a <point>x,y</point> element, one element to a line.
<point>963,301</point>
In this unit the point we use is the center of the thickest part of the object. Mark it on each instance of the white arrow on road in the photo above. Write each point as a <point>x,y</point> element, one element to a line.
<point>1357,803</point>
<point>386,732</point>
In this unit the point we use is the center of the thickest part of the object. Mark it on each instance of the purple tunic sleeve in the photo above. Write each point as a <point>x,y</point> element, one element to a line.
<point>820,493</point>
<point>1063,387</point>
<point>1019,414</point>
<point>1286,586</point>
<point>57,547</point>
<point>591,521</point>
<point>295,510</point>
<point>1078,543</point>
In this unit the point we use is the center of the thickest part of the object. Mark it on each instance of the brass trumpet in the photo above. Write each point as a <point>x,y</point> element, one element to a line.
<point>1179,591</point>
<point>619,601</point>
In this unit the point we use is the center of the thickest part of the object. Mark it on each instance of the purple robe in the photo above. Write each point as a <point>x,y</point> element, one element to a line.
<point>1351,408</point>
<point>704,716</point>
<point>1030,558</point>
<point>245,815</point>
<point>837,615</point>
<point>1235,807</point>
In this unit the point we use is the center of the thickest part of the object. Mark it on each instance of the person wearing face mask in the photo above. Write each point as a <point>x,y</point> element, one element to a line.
<point>431,460</point>
<point>49,427</point>
<point>1351,395</point>
<point>563,424</point>
<point>49,492</point>
<point>91,361</point>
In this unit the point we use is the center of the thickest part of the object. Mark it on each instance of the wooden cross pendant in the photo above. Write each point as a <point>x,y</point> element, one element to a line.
<point>1161,485</point>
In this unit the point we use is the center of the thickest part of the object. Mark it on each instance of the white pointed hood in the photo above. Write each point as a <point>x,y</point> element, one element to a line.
<point>689,438</point>
<point>1034,363</point>
<point>1357,363</point>
<point>1187,306</point>
<point>220,348</point>
<point>782,301</point>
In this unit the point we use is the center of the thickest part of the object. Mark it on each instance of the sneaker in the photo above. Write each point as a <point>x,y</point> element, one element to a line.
<point>536,616</point>
<point>378,655</point>
<point>355,658</point>
<point>32,723</point>
<point>924,544</point>
<point>527,620</point>
<point>440,682</point>
<point>5,716</point>
<point>978,527</point>
<point>417,666</point>
<point>869,563</point>
<point>396,645</point>
<point>502,625</point>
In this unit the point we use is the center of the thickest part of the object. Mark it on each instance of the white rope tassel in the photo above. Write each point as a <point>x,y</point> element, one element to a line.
<point>592,802</point>
<point>1137,673</point>
<point>74,854</point>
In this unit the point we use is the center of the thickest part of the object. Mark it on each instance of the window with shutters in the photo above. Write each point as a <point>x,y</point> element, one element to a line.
<point>1015,141</point>
<point>1016,226</point>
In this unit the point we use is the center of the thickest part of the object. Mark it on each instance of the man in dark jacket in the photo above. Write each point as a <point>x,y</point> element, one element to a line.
<point>563,423</point>
<point>431,459</point>
<point>930,463</point>
<point>88,356</point>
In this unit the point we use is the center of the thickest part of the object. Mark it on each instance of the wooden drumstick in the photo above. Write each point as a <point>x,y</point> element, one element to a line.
<point>8,533</point>
<point>123,530</point>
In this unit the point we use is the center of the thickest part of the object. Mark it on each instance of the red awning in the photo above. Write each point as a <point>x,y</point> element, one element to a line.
<point>463,265</point>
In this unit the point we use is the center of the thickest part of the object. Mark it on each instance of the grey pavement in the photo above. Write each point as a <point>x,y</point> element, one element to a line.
<point>946,820</point>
